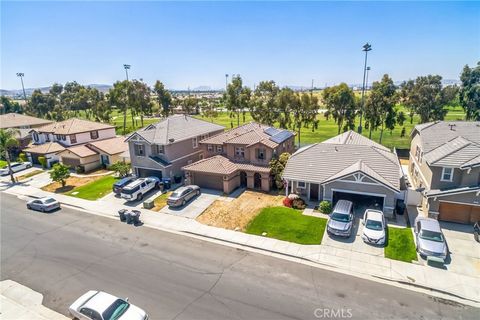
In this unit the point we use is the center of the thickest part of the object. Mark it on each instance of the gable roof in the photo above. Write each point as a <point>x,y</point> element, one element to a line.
<point>46,148</point>
<point>15,120</point>
<point>71,126</point>
<point>328,161</point>
<point>110,146</point>
<point>176,128</point>
<point>450,144</point>
<point>82,151</point>
<point>222,165</point>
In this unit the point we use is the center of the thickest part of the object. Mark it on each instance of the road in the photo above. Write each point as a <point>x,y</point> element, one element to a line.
<point>66,253</point>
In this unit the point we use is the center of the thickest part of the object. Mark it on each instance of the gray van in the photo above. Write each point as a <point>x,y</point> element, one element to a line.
<point>340,221</point>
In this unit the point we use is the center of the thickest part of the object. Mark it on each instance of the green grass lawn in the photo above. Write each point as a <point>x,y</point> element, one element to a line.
<point>161,201</point>
<point>95,189</point>
<point>30,174</point>
<point>289,225</point>
<point>400,245</point>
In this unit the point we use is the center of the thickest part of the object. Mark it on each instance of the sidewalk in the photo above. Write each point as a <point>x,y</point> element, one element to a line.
<point>349,261</point>
<point>20,302</point>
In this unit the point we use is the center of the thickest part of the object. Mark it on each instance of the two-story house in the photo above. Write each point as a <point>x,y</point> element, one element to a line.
<point>445,167</point>
<point>163,148</point>
<point>22,124</point>
<point>73,142</point>
<point>240,158</point>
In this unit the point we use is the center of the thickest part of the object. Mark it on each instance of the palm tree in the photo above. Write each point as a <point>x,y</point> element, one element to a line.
<point>8,140</point>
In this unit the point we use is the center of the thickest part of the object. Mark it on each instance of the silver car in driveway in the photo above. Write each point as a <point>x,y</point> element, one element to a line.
<point>43,204</point>
<point>182,195</point>
<point>16,167</point>
<point>431,243</point>
<point>340,221</point>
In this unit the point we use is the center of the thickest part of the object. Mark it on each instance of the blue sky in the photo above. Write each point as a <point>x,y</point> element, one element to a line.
<point>189,44</point>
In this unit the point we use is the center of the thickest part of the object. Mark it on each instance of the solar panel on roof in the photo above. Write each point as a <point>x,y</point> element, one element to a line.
<point>271,131</point>
<point>281,136</point>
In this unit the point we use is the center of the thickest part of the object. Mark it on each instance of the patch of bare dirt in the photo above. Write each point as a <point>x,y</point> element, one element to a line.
<point>404,162</point>
<point>72,182</point>
<point>239,212</point>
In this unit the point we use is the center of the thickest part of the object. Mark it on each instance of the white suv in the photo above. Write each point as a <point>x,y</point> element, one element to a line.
<point>136,189</point>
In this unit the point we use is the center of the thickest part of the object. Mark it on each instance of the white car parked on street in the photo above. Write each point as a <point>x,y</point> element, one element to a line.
<point>16,167</point>
<point>99,305</point>
<point>43,204</point>
<point>138,188</point>
<point>374,227</point>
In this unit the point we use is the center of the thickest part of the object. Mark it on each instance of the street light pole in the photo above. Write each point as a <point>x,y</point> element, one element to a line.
<point>226,81</point>
<point>366,81</point>
<point>21,75</point>
<point>367,47</point>
<point>126,67</point>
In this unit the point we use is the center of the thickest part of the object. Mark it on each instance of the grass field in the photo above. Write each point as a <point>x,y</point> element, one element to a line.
<point>289,225</point>
<point>3,163</point>
<point>400,245</point>
<point>94,190</point>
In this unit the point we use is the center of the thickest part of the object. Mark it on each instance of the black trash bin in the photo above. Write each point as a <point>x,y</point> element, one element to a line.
<point>167,183</point>
<point>121,214</point>
<point>128,216</point>
<point>135,216</point>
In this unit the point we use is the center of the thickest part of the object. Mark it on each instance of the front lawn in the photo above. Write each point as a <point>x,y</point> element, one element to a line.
<point>289,225</point>
<point>3,163</point>
<point>95,189</point>
<point>161,201</point>
<point>28,175</point>
<point>400,245</point>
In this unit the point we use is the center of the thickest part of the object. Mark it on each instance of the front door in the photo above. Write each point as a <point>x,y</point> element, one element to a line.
<point>257,181</point>
<point>314,191</point>
<point>105,160</point>
<point>243,179</point>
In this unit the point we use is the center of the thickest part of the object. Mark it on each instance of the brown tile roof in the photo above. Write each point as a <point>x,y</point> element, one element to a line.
<point>82,151</point>
<point>15,120</point>
<point>111,146</point>
<point>222,165</point>
<point>46,148</point>
<point>73,125</point>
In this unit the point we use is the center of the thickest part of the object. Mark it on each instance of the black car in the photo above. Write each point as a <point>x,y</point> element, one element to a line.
<point>120,184</point>
<point>476,231</point>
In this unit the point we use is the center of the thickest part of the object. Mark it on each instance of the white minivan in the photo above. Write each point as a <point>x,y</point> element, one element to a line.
<point>136,189</point>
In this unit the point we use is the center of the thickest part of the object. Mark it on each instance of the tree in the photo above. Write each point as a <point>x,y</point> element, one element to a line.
<point>9,106</point>
<point>277,165</point>
<point>405,88</point>
<point>236,98</point>
<point>264,106</point>
<point>210,108</point>
<point>121,168</point>
<point>39,104</point>
<point>60,173</point>
<point>164,98</point>
<point>139,99</point>
<point>341,105</point>
<point>118,97</point>
<point>470,92</point>
<point>7,142</point>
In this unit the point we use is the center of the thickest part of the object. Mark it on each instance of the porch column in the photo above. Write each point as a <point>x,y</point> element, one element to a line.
<point>291,191</point>
<point>286,189</point>
<point>308,192</point>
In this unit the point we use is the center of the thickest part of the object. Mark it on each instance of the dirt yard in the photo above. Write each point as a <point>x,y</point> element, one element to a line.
<point>404,162</point>
<point>72,182</point>
<point>239,212</point>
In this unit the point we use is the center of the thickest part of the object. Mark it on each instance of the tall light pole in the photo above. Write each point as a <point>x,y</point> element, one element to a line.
<point>366,47</point>
<point>366,81</point>
<point>226,81</point>
<point>21,75</point>
<point>126,67</point>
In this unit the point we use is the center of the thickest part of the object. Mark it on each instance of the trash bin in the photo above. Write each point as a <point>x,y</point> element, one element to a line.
<point>148,204</point>
<point>167,183</point>
<point>128,217</point>
<point>135,216</point>
<point>121,213</point>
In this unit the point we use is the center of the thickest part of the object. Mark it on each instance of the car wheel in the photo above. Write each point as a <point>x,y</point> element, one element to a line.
<point>43,209</point>
<point>476,237</point>
<point>184,202</point>
<point>198,192</point>
<point>28,207</point>
<point>140,197</point>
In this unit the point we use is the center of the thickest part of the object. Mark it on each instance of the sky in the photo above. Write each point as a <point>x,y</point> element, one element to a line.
<point>191,44</point>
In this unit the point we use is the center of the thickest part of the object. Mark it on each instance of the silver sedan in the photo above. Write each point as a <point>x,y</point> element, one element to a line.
<point>182,195</point>
<point>43,204</point>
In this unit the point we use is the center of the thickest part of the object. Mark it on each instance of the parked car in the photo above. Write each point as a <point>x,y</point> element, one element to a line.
<point>340,221</point>
<point>43,204</point>
<point>374,226</point>
<point>16,167</point>
<point>99,305</point>
<point>476,231</point>
<point>431,244</point>
<point>182,195</point>
<point>118,186</point>
<point>137,189</point>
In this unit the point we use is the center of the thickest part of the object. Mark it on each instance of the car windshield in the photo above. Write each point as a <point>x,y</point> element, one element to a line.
<point>50,200</point>
<point>373,225</point>
<point>116,310</point>
<point>176,194</point>
<point>340,217</point>
<point>431,235</point>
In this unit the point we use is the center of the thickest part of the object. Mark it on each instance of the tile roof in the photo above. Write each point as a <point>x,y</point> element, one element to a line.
<point>110,146</point>
<point>14,120</point>
<point>351,137</point>
<point>46,148</point>
<point>176,128</point>
<point>222,165</point>
<point>82,151</point>
<point>72,126</point>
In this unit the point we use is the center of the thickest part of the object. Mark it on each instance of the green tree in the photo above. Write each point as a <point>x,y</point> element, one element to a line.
<point>470,92</point>
<point>60,173</point>
<point>236,98</point>
<point>164,98</point>
<point>277,165</point>
<point>264,106</point>
<point>341,105</point>
<point>139,98</point>
<point>7,142</point>
<point>9,106</point>
<point>405,88</point>
<point>118,97</point>
<point>121,168</point>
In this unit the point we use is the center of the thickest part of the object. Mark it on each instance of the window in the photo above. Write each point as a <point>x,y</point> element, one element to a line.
<point>418,154</point>
<point>301,184</point>
<point>64,137</point>
<point>94,134</point>
<point>158,149</point>
<point>195,142</point>
<point>139,150</point>
<point>415,172</point>
<point>261,153</point>
<point>58,137</point>
<point>240,152</point>
<point>73,138</point>
<point>35,137</point>
<point>447,174</point>
<point>204,136</point>
<point>210,147</point>
<point>47,137</point>
<point>219,149</point>
<point>200,156</point>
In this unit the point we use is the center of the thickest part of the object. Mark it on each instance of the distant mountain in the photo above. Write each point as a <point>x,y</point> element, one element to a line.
<point>18,93</point>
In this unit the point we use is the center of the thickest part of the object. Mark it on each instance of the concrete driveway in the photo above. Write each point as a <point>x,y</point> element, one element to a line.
<point>196,206</point>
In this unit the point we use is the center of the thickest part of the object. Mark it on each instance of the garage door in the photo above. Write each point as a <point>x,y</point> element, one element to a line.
<point>461,213</point>
<point>360,201</point>
<point>142,173</point>
<point>208,181</point>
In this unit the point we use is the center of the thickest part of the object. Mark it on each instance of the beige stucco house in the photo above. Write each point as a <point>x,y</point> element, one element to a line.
<point>348,166</point>
<point>445,167</point>
<point>22,124</point>
<point>239,158</point>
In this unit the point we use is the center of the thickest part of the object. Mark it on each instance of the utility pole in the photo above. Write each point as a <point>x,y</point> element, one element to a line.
<point>366,47</point>
<point>21,75</point>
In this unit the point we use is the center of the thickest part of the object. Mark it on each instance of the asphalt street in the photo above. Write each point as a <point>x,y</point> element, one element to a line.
<point>68,252</point>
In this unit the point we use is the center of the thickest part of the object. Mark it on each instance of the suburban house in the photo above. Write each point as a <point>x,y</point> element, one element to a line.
<point>445,167</point>
<point>77,143</point>
<point>163,148</point>
<point>348,166</point>
<point>22,125</point>
<point>239,158</point>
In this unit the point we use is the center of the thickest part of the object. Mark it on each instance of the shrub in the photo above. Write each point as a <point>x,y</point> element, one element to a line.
<point>23,157</point>
<point>325,207</point>
<point>43,162</point>
<point>287,202</point>
<point>299,203</point>
<point>121,168</point>
<point>79,169</point>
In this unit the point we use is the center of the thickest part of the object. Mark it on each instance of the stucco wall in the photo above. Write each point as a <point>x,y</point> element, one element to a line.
<point>466,198</point>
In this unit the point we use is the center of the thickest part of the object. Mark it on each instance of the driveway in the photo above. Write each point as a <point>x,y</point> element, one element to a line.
<point>196,206</point>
